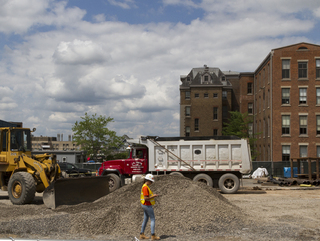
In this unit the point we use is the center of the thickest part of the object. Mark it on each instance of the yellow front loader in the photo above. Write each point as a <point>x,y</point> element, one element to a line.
<point>23,174</point>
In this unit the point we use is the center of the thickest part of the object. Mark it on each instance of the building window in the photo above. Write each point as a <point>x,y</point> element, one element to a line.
<point>249,88</point>
<point>187,95</point>
<point>302,70</point>
<point>303,125</point>
<point>250,108</point>
<point>188,78</point>
<point>318,151</point>
<point>215,132</point>
<point>196,95</point>
<point>302,96</point>
<point>206,78</point>
<point>285,153</point>
<point>318,96</point>
<point>215,113</point>
<point>285,68</point>
<point>285,92</point>
<point>196,124</point>
<point>224,112</point>
<point>188,108</point>
<point>318,124</point>
<point>215,95</point>
<point>317,68</point>
<point>303,151</point>
<point>286,125</point>
<point>187,130</point>
<point>250,129</point>
<point>206,95</point>
<point>224,94</point>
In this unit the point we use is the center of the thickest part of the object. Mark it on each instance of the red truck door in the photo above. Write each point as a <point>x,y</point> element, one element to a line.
<point>138,163</point>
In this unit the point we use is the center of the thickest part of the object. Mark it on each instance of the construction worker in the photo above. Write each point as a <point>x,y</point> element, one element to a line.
<point>147,201</point>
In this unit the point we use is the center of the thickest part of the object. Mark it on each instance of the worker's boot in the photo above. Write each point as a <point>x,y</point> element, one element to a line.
<point>154,237</point>
<point>142,236</point>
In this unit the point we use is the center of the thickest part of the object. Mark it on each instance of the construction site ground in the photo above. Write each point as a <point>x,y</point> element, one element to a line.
<point>184,211</point>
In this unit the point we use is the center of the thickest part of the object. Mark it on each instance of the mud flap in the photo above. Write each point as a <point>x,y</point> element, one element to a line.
<point>71,191</point>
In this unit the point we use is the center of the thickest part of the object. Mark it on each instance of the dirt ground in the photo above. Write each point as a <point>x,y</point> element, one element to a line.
<point>270,214</point>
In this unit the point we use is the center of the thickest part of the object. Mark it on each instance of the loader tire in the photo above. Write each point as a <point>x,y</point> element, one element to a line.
<point>114,182</point>
<point>229,183</point>
<point>202,177</point>
<point>21,188</point>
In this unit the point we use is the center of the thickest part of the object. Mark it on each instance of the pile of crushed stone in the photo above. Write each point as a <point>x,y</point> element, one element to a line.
<point>184,207</point>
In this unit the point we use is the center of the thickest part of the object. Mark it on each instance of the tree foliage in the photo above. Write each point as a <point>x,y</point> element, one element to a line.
<point>93,135</point>
<point>238,125</point>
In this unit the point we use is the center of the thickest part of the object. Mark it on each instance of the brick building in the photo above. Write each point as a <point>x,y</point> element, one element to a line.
<point>206,97</point>
<point>282,94</point>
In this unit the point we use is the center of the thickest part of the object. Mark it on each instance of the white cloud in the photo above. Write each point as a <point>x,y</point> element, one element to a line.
<point>125,4</point>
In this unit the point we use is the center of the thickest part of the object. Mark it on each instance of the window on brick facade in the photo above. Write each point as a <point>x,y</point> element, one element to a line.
<point>215,132</point>
<point>285,94</point>
<point>303,151</point>
<point>302,70</point>
<point>286,125</point>
<point>303,96</point>
<point>318,95</point>
<point>303,125</point>
<point>285,68</point>
<point>250,108</point>
<point>187,130</point>
<point>285,153</point>
<point>249,88</point>
<point>318,151</point>
<point>205,95</point>
<point>187,95</point>
<point>196,124</point>
<point>317,68</point>
<point>215,113</point>
<point>318,124</point>
<point>224,112</point>
<point>196,95</point>
<point>188,108</point>
<point>250,129</point>
<point>224,94</point>
<point>215,95</point>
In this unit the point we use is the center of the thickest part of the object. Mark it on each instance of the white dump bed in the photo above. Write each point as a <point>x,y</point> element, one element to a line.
<point>197,155</point>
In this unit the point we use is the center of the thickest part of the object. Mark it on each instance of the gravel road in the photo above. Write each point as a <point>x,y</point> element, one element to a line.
<point>185,210</point>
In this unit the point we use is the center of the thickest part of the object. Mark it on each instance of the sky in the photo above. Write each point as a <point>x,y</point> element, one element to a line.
<point>123,58</point>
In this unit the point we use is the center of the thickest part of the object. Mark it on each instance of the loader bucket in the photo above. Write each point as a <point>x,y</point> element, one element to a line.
<point>71,191</point>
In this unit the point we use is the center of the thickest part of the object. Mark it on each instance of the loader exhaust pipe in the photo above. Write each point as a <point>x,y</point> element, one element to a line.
<point>72,191</point>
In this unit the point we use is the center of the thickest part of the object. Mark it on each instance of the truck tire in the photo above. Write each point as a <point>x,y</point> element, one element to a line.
<point>176,174</point>
<point>114,183</point>
<point>229,183</point>
<point>202,177</point>
<point>21,188</point>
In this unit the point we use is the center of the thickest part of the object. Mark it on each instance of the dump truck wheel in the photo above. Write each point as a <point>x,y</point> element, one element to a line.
<point>203,178</point>
<point>176,174</point>
<point>114,182</point>
<point>229,183</point>
<point>21,188</point>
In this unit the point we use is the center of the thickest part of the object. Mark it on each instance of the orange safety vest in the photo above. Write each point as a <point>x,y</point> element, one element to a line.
<point>152,201</point>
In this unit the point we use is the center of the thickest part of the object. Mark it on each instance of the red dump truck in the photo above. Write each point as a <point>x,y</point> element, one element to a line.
<point>218,161</point>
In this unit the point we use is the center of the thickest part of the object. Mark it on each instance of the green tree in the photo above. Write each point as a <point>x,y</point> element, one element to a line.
<point>238,125</point>
<point>93,135</point>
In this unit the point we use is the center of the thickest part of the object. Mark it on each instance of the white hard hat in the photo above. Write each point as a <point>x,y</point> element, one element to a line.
<point>149,177</point>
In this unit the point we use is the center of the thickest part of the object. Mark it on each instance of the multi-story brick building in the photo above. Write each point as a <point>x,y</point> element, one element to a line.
<point>282,95</point>
<point>205,101</point>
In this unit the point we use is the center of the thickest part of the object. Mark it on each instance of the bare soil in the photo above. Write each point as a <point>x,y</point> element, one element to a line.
<point>185,210</point>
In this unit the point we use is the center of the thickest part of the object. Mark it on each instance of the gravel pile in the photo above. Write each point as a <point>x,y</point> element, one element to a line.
<point>184,207</point>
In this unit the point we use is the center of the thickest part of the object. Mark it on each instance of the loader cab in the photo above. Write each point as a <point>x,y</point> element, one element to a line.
<point>20,140</point>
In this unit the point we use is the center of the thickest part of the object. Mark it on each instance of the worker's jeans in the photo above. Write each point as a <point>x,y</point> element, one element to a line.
<point>148,213</point>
